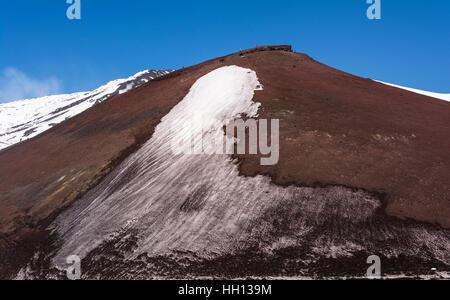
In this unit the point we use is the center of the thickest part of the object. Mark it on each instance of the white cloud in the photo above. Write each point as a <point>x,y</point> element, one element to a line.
<point>16,85</point>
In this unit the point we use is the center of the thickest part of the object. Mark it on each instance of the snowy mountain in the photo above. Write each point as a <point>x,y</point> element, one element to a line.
<point>24,119</point>
<point>195,214</point>
<point>141,187</point>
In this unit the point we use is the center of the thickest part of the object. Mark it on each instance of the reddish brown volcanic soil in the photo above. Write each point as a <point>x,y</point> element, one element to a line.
<point>335,129</point>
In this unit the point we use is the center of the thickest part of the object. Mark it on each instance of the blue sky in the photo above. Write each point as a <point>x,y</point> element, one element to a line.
<point>41,51</point>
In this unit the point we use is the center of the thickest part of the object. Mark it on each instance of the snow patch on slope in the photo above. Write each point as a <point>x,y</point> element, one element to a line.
<point>445,97</point>
<point>148,187</point>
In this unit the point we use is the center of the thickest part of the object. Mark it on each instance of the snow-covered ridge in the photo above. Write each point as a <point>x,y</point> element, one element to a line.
<point>24,119</point>
<point>445,97</point>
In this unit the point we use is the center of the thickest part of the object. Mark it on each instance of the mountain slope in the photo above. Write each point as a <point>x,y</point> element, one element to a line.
<point>363,169</point>
<point>24,119</point>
